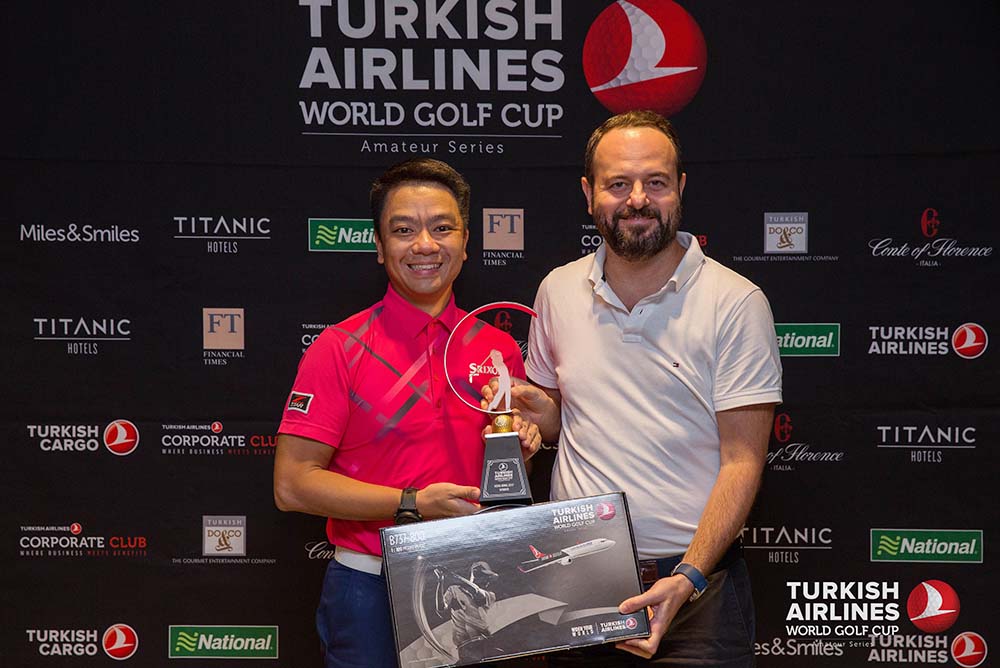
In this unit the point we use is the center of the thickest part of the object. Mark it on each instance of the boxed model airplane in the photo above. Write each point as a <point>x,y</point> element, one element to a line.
<point>511,582</point>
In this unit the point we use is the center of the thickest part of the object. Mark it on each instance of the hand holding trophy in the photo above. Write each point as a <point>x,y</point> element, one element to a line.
<point>504,477</point>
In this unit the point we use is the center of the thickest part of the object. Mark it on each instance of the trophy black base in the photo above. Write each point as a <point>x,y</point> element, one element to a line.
<point>505,480</point>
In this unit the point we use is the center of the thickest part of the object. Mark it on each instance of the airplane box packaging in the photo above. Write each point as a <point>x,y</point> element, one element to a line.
<point>512,582</point>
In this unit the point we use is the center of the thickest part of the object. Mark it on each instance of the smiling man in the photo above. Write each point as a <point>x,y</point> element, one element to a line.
<point>657,369</point>
<point>371,431</point>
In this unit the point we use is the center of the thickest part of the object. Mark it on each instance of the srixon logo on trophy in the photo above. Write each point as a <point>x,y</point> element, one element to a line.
<point>470,363</point>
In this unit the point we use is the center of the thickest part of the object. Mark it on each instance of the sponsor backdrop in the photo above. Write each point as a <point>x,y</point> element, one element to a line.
<point>185,210</point>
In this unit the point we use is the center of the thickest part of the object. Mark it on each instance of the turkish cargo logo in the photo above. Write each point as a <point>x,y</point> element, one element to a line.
<point>938,545</point>
<point>644,54</point>
<point>121,437</point>
<point>120,642</point>
<point>968,649</point>
<point>933,606</point>
<point>969,341</point>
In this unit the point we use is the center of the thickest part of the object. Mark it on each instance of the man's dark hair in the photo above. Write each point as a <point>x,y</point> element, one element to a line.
<point>427,170</point>
<point>639,118</point>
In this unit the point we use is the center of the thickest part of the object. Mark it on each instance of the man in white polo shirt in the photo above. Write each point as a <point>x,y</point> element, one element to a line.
<point>657,368</point>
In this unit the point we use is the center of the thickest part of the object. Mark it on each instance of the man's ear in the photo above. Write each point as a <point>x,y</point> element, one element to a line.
<point>588,192</point>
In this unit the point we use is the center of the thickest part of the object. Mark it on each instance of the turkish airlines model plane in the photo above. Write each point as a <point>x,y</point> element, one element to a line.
<point>566,555</point>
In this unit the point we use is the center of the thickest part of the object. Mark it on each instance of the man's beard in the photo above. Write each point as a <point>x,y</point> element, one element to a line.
<point>633,245</point>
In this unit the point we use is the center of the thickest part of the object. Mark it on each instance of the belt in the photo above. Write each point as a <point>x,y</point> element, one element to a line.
<point>359,561</point>
<point>651,570</point>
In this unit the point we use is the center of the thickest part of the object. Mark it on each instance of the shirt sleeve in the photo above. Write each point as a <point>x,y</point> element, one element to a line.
<point>749,368</point>
<point>318,407</point>
<point>540,365</point>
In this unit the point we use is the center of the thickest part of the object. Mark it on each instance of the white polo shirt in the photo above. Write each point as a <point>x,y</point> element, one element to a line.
<point>640,389</point>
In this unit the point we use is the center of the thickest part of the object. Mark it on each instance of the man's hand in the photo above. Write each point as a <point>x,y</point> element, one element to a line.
<point>444,499</point>
<point>535,404</point>
<point>664,599</point>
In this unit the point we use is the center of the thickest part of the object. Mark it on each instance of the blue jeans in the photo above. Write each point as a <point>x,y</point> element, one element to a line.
<point>715,630</point>
<point>354,620</point>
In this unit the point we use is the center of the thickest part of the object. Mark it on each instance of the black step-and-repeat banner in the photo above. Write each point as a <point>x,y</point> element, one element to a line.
<point>185,190</point>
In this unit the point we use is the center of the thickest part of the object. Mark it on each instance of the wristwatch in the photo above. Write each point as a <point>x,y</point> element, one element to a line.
<point>695,576</point>
<point>407,512</point>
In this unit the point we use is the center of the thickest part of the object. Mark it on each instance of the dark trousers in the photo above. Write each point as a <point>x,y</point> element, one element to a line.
<point>354,621</point>
<point>715,630</point>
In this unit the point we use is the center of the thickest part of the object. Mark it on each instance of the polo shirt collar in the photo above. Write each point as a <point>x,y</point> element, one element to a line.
<point>410,320</point>
<point>693,259</point>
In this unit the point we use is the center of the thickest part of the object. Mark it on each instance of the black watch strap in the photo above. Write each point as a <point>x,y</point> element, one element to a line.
<point>407,512</point>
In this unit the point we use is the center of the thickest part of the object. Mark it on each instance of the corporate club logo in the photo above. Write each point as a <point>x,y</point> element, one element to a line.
<point>74,233</point>
<point>72,540</point>
<point>969,649</point>
<point>933,606</point>
<point>119,437</point>
<point>223,642</point>
<point>786,454</point>
<point>223,335</point>
<point>309,332</point>
<point>969,340</point>
<point>932,248</point>
<point>925,443</point>
<point>444,67</point>
<point>341,235</point>
<point>808,339</point>
<point>783,544</point>
<point>928,545</point>
<point>221,233</point>
<point>644,54</point>
<point>224,535</point>
<point>82,335</point>
<point>503,237</point>
<point>119,641</point>
<point>212,439</point>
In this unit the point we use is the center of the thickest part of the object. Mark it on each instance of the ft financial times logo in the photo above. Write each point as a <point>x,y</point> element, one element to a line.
<point>644,54</point>
<point>503,237</point>
<point>223,335</point>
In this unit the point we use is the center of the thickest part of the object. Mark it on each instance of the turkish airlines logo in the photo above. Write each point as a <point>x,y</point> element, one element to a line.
<point>121,437</point>
<point>605,511</point>
<point>968,649</point>
<point>644,54</point>
<point>120,641</point>
<point>969,341</point>
<point>933,606</point>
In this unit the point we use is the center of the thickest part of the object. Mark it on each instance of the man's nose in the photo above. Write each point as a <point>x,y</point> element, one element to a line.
<point>637,198</point>
<point>425,242</point>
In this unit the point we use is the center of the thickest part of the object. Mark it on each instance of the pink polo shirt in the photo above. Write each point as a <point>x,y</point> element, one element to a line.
<point>373,388</point>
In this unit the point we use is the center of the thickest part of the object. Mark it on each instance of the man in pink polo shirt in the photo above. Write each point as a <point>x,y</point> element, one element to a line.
<point>371,431</point>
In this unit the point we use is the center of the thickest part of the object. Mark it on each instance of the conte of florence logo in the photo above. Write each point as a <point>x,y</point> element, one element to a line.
<point>929,223</point>
<point>969,340</point>
<point>120,641</point>
<point>782,427</point>
<point>644,54</point>
<point>933,606</point>
<point>968,649</point>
